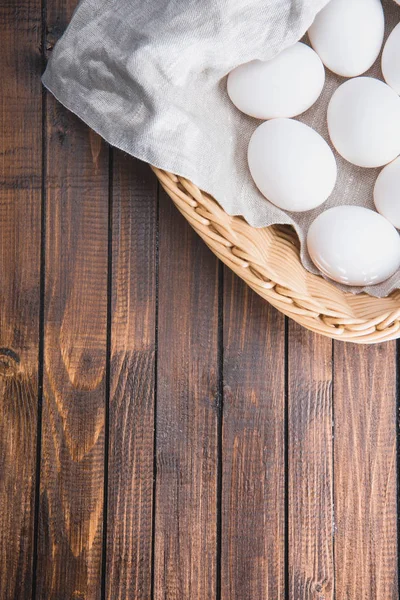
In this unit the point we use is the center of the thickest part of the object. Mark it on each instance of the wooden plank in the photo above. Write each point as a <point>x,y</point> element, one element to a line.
<point>72,469</point>
<point>130,487</point>
<point>20,230</point>
<point>365,472</point>
<point>187,414</point>
<point>253,479</point>
<point>310,541</point>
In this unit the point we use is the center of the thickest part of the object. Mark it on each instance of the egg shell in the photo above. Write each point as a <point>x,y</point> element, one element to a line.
<point>285,86</point>
<point>364,122</point>
<point>291,164</point>
<point>387,193</point>
<point>348,35</point>
<point>354,245</point>
<point>391,60</point>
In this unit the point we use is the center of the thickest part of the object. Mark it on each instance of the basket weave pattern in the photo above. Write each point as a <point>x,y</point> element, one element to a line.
<point>268,260</point>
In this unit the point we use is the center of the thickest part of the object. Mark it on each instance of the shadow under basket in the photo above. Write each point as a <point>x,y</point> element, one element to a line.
<point>268,260</point>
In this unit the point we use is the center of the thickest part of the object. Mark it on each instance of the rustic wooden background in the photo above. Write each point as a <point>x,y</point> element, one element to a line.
<point>164,433</point>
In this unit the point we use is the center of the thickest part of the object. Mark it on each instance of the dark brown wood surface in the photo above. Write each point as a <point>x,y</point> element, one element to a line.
<point>188,406</point>
<point>310,466</point>
<point>365,472</point>
<point>20,250</point>
<point>164,433</point>
<point>75,342</point>
<point>253,446</point>
<point>132,380</point>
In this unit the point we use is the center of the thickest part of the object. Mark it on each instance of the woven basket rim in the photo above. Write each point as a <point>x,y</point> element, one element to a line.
<point>268,260</point>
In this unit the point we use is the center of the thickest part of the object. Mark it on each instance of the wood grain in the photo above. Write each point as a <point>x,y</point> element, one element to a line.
<point>342,497</point>
<point>72,467</point>
<point>310,466</point>
<point>20,230</point>
<point>253,446</point>
<point>365,472</point>
<point>187,410</point>
<point>130,486</point>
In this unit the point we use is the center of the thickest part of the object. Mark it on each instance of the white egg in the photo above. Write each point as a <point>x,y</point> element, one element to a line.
<point>291,164</point>
<point>348,35</point>
<point>364,122</point>
<point>387,193</point>
<point>354,245</point>
<point>285,86</point>
<point>391,60</point>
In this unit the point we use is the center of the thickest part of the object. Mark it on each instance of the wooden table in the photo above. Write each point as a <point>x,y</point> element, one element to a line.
<point>164,433</point>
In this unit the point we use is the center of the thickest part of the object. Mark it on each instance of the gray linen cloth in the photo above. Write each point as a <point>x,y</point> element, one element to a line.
<point>150,77</point>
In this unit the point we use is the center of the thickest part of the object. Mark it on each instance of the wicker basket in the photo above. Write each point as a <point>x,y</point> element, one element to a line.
<point>268,261</point>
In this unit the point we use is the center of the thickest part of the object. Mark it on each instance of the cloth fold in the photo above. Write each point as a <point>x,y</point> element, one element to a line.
<point>150,78</point>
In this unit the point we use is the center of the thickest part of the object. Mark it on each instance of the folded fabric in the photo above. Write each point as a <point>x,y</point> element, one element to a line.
<point>150,77</point>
